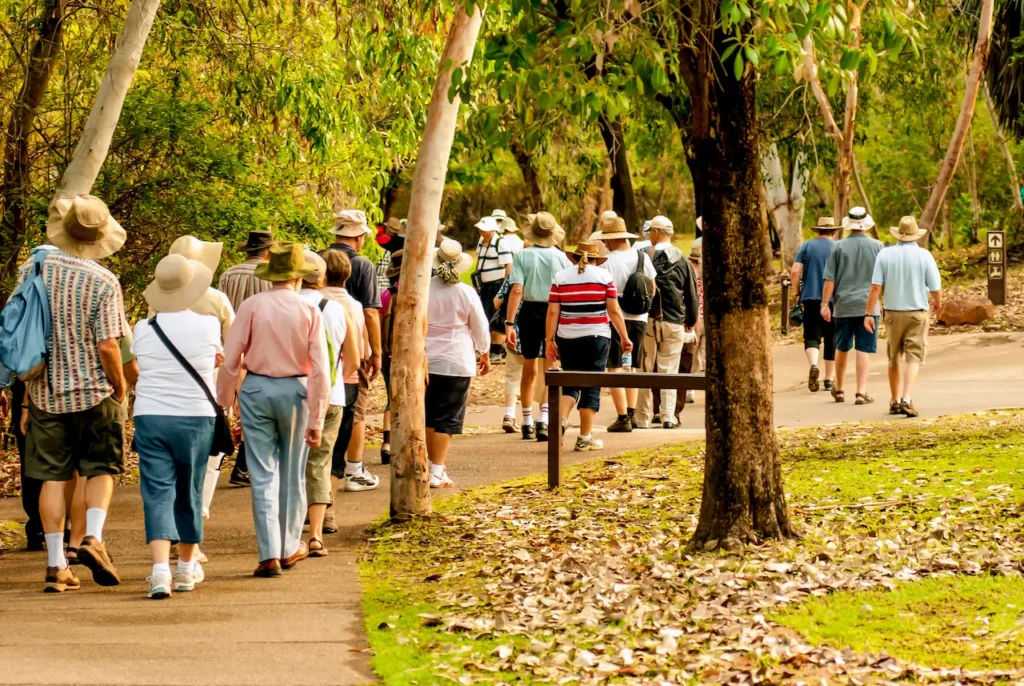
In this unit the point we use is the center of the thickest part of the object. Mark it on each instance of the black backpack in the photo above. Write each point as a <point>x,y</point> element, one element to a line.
<point>638,293</point>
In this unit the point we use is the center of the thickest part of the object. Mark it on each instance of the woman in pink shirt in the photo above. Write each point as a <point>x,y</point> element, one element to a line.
<point>278,340</point>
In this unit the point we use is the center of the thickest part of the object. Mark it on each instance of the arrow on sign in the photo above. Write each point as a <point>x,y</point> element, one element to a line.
<point>995,239</point>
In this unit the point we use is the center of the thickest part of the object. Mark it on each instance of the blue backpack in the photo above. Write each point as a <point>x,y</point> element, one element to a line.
<point>25,326</point>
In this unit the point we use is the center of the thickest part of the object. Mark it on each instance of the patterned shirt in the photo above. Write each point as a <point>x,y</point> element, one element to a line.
<point>239,282</point>
<point>383,265</point>
<point>86,307</point>
<point>583,300</point>
<point>492,258</point>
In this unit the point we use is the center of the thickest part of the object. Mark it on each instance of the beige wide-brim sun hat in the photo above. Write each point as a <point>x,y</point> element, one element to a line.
<point>192,248</point>
<point>589,249</point>
<point>610,229</point>
<point>544,231</point>
<point>858,219</point>
<point>351,224</point>
<point>320,264</point>
<point>825,224</point>
<point>287,262</point>
<point>82,226</point>
<point>450,251</point>
<point>908,230</point>
<point>178,284</point>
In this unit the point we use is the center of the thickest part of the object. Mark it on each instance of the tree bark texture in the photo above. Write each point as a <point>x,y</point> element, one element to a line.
<point>1004,146</point>
<point>535,197</point>
<point>743,496</point>
<point>410,488</point>
<point>785,202</point>
<point>94,144</point>
<point>623,199</point>
<point>697,175</point>
<point>13,229</point>
<point>963,122</point>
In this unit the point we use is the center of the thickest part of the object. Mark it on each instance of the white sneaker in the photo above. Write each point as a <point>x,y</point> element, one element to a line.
<point>441,480</point>
<point>159,586</point>
<point>584,445</point>
<point>184,581</point>
<point>198,574</point>
<point>363,481</point>
<point>691,397</point>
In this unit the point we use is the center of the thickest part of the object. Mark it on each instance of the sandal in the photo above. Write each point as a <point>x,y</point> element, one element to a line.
<point>316,548</point>
<point>864,399</point>
<point>838,395</point>
<point>71,554</point>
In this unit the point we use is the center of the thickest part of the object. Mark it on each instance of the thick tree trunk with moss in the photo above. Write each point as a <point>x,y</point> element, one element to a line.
<point>410,474</point>
<point>743,498</point>
<point>13,228</point>
<point>535,197</point>
<point>623,199</point>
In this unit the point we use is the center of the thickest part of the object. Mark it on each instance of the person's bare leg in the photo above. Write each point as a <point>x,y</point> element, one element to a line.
<point>587,422</point>
<point>317,512</point>
<point>437,446</point>
<point>565,406</point>
<point>894,384</point>
<point>863,367</point>
<point>841,359</point>
<point>98,491</point>
<point>52,506</point>
<point>619,395</point>
<point>910,372</point>
<point>187,552</point>
<point>357,443</point>
<point>74,499</point>
<point>161,551</point>
<point>830,370</point>
<point>812,356</point>
<point>530,368</point>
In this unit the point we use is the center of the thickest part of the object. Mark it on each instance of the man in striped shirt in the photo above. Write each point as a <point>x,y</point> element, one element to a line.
<point>493,266</point>
<point>238,283</point>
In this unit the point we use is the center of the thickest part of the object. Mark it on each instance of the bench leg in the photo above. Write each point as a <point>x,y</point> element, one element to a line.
<point>554,437</point>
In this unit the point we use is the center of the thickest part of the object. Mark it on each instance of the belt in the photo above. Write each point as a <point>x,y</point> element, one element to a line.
<point>287,376</point>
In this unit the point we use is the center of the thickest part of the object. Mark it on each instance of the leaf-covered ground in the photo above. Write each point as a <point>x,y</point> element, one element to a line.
<point>594,583</point>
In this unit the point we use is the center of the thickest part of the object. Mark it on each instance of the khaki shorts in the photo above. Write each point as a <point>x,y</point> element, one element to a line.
<point>908,336</point>
<point>89,441</point>
<point>363,399</point>
<point>318,463</point>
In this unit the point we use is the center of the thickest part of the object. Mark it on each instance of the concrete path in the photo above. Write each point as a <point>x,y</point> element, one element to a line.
<point>306,627</point>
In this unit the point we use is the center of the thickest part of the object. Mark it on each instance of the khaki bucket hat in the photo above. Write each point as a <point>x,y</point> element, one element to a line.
<point>178,284</point>
<point>544,231</point>
<point>908,230</point>
<point>192,248</point>
<point>287,262</point>
<point>84,228</point>
<point>450,251</point>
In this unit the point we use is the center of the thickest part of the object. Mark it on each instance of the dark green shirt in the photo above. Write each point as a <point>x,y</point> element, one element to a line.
<point>850,266</point>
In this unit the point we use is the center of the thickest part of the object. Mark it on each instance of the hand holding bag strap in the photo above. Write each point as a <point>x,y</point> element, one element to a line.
<point>183,362</point>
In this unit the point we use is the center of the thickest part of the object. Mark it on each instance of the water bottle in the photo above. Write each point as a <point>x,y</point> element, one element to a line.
<point>627,360</point>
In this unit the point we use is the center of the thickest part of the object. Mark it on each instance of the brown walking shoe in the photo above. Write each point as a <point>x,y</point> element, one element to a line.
<point>908,408</point>
<point>60,580</point>
<point>268,568</point>
<point>93,554</point>
<point>301,554</point>
<point>895,408</point>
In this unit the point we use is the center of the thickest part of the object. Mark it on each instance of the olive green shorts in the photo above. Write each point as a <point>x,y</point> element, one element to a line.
<point>90,441</point>
<point>318,463</point>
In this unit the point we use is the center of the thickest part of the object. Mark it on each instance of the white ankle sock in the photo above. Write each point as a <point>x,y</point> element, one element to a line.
<point>510,411</point>
<point>353,468</point>
<point>436,469</point>
<point>586,438</point>
<point>94,520</point>
<point>186,566</point>
<point>55,550</point>
<point>544,413</point>
<point>163,568</point>
<point>527,416</point>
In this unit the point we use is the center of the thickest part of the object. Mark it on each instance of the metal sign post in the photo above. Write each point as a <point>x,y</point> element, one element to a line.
<point>996,242</point>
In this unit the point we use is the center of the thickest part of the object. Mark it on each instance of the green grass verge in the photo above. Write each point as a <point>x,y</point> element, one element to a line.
<point>973,622</point>
<point>412,571</point>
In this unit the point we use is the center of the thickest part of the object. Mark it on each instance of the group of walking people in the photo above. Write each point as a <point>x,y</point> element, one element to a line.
<point>844,286</point>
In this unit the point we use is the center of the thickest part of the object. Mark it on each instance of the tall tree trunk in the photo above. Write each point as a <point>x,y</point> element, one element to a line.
<point>697,175</point>
<point>1005,147</point>
<point>863,195</point>
<point>13,229</point>
<point>786,203</point>
<point>410,475</point>
<point>743,496</point>
<point>972,189</point>
<point>530,176</point>
<point>963,122</point>
<point>623,199</point>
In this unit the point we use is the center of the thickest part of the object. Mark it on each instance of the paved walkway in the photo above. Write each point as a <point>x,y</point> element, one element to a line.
<point>305,628</point>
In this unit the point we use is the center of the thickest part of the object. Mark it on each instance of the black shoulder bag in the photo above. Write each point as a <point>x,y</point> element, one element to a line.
<point>223,442</point>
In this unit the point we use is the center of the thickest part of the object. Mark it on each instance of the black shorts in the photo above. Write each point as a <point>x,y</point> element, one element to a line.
<point>635,330</point>
<point>817,330</point>
<point>446,400</point>
<point>488,292</point>
<point>90,441</point>
<point>532,322</point>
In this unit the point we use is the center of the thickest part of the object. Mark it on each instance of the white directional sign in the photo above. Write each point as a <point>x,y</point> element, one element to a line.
<point>996,242</point>
<point>995,239</point>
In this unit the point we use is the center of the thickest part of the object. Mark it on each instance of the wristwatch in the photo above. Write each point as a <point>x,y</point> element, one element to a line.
<point>510,323</point>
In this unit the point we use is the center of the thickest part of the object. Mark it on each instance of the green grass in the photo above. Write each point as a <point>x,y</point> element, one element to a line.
<point>12,535</point>
<point>972,622</point>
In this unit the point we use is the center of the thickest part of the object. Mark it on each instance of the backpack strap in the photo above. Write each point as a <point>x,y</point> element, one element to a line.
<point>650,252</point>
<point>323,304</point>
<point>183,362</point>
<point>640,262</point>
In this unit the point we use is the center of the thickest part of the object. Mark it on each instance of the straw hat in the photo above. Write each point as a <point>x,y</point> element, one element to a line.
<point>396,265</point>
<point>858,219</point>
<point>588,249</point>
<point>178,284</point>
<point>351,224</point>
<point>257,241</point>
<point>84,228</point>
<point>700,223</point>
<point>908,230</point>
<point>612,228</point>
<point>287,263</point>
<point>394,226</point>
<point>192,248</point>
<point>696,250</point>
<point>320,265</point>
<point>663,224</point>
<point>450,251</point>
<point>499,215</point>
<point>488,224</point>
<point>825,224</point>
<point>544,231</point>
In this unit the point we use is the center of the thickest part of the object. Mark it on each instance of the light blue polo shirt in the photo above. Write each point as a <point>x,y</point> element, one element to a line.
<point>535,268</point>
<point>907,273</point>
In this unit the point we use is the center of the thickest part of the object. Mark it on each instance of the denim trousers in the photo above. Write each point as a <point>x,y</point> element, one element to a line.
<point>173,452</point>
<point>585,354</point>
<point>274,418</point>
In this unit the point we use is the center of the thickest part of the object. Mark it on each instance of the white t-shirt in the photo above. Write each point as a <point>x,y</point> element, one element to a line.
<point>457,330</point>
<point>164,387</point>
<point>337,328</point>
<point>513,241</point>
<point>621,264</point>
